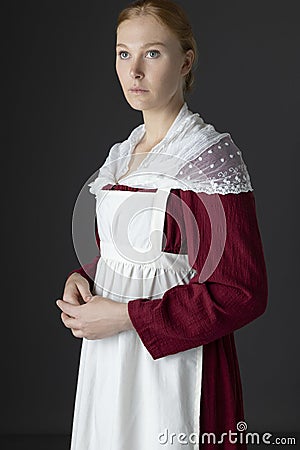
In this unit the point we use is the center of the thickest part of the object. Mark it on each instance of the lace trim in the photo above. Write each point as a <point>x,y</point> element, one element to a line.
<point>219,169</point>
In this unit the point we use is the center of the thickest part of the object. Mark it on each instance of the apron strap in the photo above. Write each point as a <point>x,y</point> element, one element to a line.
<point>158,217</point>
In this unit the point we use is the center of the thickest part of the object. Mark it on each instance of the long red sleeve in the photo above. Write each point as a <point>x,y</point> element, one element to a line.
<point>236,293</point>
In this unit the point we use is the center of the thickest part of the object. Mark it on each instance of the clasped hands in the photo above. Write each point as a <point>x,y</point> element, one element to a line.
<point>91,316</point>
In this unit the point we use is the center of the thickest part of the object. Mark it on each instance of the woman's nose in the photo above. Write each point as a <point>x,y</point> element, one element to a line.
<point>136,70</point>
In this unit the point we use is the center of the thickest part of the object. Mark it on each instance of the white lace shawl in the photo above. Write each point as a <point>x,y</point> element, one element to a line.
<point>192,156</point>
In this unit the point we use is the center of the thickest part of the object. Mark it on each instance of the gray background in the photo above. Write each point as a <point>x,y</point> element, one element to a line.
<point>65,110</point>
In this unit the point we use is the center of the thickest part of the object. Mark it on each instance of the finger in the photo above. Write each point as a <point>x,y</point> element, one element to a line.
<point>70,322</point>
<point>78,333</point>
<point>84,290</point>
<point>71,295</point>
<point>73,299</point>
<point>68,308</point>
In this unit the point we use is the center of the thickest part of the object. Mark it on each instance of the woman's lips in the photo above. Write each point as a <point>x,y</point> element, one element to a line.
<point>138,91</point>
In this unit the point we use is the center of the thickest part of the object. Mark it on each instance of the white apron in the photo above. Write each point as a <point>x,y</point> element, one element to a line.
<point>126,400</point>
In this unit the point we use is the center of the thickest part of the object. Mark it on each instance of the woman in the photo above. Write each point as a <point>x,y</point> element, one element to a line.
<point>181,263</point>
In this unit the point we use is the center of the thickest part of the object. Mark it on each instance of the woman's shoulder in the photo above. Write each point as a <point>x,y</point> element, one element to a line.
<point>215,166</point>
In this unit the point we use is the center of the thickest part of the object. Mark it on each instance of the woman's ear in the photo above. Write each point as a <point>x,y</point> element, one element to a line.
<point>188,62</point>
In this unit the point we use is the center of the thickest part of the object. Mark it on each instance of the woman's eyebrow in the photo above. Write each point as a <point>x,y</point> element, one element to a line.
<point>145,45</point>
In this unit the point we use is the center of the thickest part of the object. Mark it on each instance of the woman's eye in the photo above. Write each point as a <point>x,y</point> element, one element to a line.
<point>122,53</point>
<point>153,53</point>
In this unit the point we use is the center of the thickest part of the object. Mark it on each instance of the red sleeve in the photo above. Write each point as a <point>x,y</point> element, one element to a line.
<point>88,271</point>
<point>234,294</point>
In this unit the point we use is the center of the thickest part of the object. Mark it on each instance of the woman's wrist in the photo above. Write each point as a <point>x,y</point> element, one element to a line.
<point>127,324</point>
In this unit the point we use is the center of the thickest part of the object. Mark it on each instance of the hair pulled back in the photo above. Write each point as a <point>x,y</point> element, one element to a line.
<point>171,15</point>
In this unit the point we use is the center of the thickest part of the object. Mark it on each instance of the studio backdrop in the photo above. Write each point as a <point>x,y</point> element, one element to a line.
<point>65,110</point>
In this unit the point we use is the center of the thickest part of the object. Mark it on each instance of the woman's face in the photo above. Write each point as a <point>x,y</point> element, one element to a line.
<point>149,57</point>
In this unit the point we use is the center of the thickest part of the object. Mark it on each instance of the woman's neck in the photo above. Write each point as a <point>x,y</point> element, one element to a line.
<point>158,122</point>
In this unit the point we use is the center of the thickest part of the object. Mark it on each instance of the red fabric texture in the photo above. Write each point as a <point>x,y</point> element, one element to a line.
<point>196,313</point>
<point>207,313</point>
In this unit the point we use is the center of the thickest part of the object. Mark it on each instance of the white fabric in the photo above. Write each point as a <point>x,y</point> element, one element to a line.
<point>124,398</point>
<point>192,156</point>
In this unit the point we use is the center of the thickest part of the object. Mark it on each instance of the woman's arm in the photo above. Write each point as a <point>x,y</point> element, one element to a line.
<point>236,293</point>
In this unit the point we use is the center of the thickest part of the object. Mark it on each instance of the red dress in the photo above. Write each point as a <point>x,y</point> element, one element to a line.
<point>206,313</point>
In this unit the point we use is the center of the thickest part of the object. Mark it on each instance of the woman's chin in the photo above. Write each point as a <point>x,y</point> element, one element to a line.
<point>139,104</point>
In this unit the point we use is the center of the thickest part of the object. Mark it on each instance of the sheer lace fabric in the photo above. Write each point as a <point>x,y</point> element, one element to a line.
<point>192,156</point>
